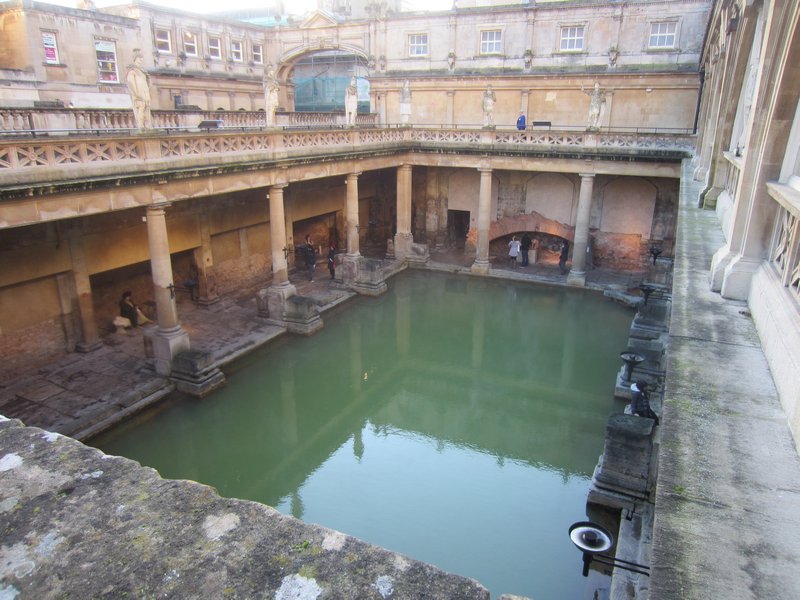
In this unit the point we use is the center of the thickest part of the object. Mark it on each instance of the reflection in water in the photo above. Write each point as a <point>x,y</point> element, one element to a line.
<point>456,420</point>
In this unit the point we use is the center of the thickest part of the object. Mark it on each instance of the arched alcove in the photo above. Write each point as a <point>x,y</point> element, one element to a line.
<point>553,196</point>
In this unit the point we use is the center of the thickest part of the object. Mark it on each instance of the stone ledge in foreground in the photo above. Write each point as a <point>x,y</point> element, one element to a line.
<point>77,523</point>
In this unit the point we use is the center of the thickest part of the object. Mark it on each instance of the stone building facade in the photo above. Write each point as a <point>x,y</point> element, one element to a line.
<point>82,217</point>
<point>749,158</point>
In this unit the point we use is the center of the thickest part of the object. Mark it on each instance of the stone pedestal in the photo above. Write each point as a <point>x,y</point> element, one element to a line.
<point>301,315</point>
<point>195,374</point>
<point>419,255</point>
<point>364,275</point>
<point>271,302</point>
<point>163,345</point>
<point>402,245</point>
<point>623,474</point>
<point>576,278</point>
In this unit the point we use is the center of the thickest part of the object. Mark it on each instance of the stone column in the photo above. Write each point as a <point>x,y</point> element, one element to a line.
<point>277,234</point>
<point>272,301</point>
<point>577,275</point>
<point>481,265</point>
<point>403,238</point>
<point>204,259</point>
<point>351,215</point>
<point>169,338</point>
<point>83,290</point>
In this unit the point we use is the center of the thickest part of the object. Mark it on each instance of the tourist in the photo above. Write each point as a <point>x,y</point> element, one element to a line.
<point>129,310</point>
<point>640,401</point>
<point>525,246</point>
<point>311,259</point>
<point>513,251</point>
<point>562,259</point>
<point>332,260</point>
<point>534,251</point>
<point>521,121</point>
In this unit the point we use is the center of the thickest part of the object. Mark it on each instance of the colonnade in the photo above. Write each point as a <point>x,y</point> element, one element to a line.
<point>169,338</point>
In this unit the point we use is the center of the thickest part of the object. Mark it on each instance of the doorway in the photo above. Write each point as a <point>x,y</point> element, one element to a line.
<point>457,227</point>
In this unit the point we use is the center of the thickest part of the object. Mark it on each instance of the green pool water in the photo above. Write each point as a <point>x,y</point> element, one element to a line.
<point>456,420</point>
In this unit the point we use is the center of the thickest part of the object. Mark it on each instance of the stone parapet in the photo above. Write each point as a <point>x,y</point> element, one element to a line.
<point>78,523</point>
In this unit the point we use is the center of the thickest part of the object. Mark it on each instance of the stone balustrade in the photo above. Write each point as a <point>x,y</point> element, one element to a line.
<point>49,159</point>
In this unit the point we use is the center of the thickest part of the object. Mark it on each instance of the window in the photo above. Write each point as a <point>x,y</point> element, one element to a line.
<point>258,54</point>
<point>662,35</point>
<point>491,41</point>
<point>572,38</point>
<point>163,41</point>
<point>106,53</point>
<point>418,44</point>
<point>214,47</point>
<point>190,43</point>
<point>236,51</point>
<point>50,46</point>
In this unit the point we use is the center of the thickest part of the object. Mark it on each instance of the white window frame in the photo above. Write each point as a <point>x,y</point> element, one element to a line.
<point>163,44</point>
<point>237,51</point>
<point>418,45</point>
<point>50,48</point>
<point>107,71</point>
<point>189,39</point>
<point>573,35</point>
<point>258,54</point>
<point>661,34</point>
<point>215,47</point>
<point>491,41</point>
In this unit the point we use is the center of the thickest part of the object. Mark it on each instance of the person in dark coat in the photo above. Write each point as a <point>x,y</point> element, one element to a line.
<point>332,260</point>
<point>562,259</point>
<point>525,246</point>
<point>130,311</point>
<point>311,259</point>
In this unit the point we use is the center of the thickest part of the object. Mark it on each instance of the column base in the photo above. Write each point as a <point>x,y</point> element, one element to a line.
<point>719,262</point>
<point>271,301</point>
<point>576,278</point>
<point>402,245</point>
<point>481,267</point>
<point>86,347</point>
<point>738,276</point>
<point>195,374</point>
<point>364,276</point>
<point>163,345</point>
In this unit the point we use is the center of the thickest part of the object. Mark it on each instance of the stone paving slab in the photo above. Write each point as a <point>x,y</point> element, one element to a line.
<point>76,523</point>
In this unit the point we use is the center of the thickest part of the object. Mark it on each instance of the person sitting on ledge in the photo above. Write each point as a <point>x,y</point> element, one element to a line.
<point>130,311</point>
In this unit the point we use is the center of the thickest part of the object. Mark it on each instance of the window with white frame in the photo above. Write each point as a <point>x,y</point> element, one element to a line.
<point>236,51</point>
<point>258,54</point>
<point>50,46</point>
<point>164,41</point>
<point>662,34</point>
<point>106,53</point>
<point>190,43</point>
<point>572,38</point>
<point>491,41</point>
<point>215,47</point>
<point>418,44</point>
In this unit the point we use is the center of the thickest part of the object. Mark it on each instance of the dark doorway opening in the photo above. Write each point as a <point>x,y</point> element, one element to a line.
<point>457,227</point>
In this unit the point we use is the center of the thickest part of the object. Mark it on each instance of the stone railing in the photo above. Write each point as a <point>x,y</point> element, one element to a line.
<point>50,159</point>
<point>42,122</point>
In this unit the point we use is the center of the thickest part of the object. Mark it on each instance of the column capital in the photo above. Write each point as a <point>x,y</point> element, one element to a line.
<point>484,169</point>
<point>354,175</point>
<point>159,205</point>
<point>586,175</point>
<point>277,186</point>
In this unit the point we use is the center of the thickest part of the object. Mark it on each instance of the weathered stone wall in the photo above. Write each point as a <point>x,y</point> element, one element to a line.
<point>77,523</point>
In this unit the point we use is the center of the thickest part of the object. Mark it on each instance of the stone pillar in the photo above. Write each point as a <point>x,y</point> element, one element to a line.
<point>272,301</point>
<point>169,338</point>
<point>351,215</point>
<point>481,265</point>
<point>403,238</point>
<point>277,233</point>
<point>83,290</point>
<point>204,259</point>
<point>577,275</point>
<point>451,115</point>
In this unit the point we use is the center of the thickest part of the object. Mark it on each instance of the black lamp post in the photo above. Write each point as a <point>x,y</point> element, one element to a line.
<point>593,540</point>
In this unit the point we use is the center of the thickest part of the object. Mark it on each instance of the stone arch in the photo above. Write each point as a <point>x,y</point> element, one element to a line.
<point>290,58</point>
<point>628,206</point>
<point>553,196</point>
